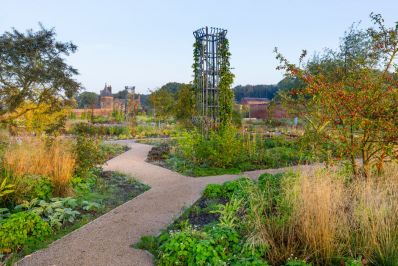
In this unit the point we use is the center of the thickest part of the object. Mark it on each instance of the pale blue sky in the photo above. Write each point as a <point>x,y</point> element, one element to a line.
<point>148,43</point>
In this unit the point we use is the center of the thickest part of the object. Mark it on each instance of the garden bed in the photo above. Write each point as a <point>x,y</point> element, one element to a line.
<point>50,187</point>
<point>109,190</point>
<point>192,156</point>
<point>285,219</point>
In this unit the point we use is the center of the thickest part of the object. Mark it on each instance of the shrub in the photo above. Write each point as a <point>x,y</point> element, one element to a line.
<point>213,191</point>
<point>158,152</point>
<point>227,148</point>
<point>88,154</point>
<point>219,149</point>
<point>39,187</point>
<point>280,157</point>
<point>217,245</point>
<point>102,130</point>
<point>237,188</point>
<point>20,228</point>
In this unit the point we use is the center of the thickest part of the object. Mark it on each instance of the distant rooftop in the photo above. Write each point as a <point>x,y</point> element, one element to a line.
<point>107,91</point>
<point>250,100</point>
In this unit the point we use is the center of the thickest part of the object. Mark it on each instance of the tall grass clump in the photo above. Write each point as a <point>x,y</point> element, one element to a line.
<point>376,217</point>
<point>322,217</point>
<point>54,160</point>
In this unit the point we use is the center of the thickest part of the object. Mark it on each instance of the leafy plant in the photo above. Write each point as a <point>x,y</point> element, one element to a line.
<point>91,206</point>
<point>296,262</point>
<point>4,213</point>
<point>88,154</point>
<point>21,227</point>
<point>56,212</point>
<point>228,212</point>
<point>213,191</point>
<point>40,187</point>
<point>6,188</point>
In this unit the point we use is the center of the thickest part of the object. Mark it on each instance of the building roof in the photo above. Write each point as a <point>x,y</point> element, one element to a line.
<point>250,100</point>
<point>107,91</point>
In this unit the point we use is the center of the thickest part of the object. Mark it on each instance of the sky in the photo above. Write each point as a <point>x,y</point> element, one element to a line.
<point>148,43</point>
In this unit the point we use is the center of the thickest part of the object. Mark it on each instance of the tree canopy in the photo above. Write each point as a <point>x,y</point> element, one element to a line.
<point>350,96</point>
<point>33,71</point>
<point>87,99</point>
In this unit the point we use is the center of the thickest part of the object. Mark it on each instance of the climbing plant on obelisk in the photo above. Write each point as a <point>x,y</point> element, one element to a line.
<point>212,79</point>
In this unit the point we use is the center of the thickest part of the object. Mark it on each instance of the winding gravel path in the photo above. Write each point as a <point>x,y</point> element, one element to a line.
<point>107,240</point>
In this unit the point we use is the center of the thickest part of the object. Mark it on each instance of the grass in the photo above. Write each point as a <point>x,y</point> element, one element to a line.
<point>36,157</point>
<point>317,217</point>
<point>323,217</point>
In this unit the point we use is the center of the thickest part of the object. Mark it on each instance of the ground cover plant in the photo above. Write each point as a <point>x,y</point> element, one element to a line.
<point>316,217</point>
<point>50,187</point>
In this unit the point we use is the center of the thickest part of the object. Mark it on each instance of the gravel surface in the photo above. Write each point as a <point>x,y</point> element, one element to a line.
<point>107,240</point>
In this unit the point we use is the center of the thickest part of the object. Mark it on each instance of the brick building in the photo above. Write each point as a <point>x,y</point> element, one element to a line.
<point>262,108</point>
<point>108,103</point>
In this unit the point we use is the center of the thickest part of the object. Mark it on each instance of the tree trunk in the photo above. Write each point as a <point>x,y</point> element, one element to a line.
<point>354,166</point>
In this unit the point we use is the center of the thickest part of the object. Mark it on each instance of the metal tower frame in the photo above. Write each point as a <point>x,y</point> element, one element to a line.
<point>207,75</point>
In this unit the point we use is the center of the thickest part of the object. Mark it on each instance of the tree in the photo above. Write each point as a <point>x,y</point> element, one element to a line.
<point>172,87</point>
<point>87,99</point>
<point>350,96</point>
<point>255,91</point>
<point>185,105</point>
<point>33,72</point>
<point>162,103</point>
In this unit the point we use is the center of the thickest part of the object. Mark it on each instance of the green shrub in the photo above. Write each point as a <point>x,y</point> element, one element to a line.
<point>219,149</point>
<point>227,148</point>
<point>41,187</point>
<point>237,188</point>
<point>20,228</point>
<point>84,185</point>
<point>216,245</point>
<point>281,157</point>
<point>229,189</point>
<point>213,191</point>
<point>4,213</point>
<point>101,130</point>
<point>270,183</point>
<point>88,154</point>
<point>297,263</point>
<point>178,247</point>
<point>278,142</point>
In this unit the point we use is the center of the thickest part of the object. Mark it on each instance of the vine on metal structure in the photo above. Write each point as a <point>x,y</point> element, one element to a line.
<point>226,94</point>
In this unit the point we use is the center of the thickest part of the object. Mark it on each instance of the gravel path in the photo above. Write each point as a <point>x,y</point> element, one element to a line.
<point>107,240</point>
